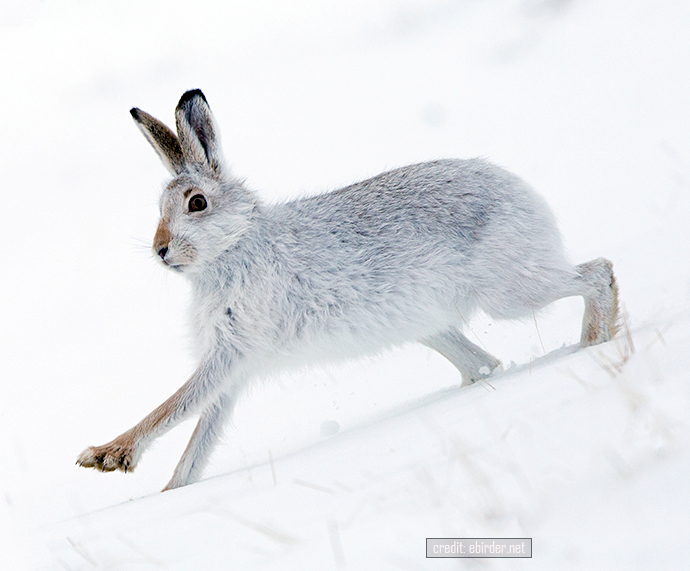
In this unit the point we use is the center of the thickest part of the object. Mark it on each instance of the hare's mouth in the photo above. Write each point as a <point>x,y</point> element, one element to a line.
<point>177,256</point>
<point>172,265</point>
<point>176,267</point>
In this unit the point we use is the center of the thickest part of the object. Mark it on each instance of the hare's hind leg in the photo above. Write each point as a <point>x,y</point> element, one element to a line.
<point>473,362</point>
<point>207,432</point>
<point>601,319</point>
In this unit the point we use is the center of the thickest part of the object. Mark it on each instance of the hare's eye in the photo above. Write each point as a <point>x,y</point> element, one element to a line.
<point>197,203</point>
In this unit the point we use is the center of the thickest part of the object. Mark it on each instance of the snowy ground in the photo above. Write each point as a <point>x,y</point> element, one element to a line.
<point>353,466</point>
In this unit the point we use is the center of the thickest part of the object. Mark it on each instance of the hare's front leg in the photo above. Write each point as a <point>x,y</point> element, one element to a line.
<point>207,432</point>
<point>124,452</point>
<point>473,362</point>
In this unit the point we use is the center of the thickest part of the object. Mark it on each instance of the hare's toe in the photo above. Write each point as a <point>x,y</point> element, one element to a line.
<point>109,457</point>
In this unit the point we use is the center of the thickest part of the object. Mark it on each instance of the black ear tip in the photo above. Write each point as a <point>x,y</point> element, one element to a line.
<point>191,94</point>
<point>135,113</point>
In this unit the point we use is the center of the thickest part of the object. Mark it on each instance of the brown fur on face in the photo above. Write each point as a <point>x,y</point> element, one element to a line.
<point>162,237</point>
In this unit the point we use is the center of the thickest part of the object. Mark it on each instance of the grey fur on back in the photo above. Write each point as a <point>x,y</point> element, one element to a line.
<point>406,256</point>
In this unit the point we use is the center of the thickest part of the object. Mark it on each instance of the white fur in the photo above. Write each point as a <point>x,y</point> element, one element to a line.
<point>408,255</point>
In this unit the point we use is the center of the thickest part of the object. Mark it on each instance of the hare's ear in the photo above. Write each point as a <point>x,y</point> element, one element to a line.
<point>162,139</point>
<point>198,134</point>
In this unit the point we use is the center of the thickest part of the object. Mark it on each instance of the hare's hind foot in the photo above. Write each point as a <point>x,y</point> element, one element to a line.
<point>473,362</point>
<point>601,321</point>
<point>120,454</point>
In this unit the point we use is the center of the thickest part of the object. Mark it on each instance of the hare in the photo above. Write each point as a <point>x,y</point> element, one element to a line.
<point>406,256</point>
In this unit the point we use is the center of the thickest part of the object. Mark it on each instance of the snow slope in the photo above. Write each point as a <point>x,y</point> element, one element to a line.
<point>353,466</point>
<point>592,466</point>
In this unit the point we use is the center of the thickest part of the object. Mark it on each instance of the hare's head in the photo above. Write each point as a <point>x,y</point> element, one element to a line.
<point>204,210</point>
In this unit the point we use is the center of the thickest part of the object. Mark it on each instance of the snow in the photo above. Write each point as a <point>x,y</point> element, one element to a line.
<point>351,466</point>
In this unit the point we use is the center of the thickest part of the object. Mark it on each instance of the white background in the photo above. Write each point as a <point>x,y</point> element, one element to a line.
<point>588,454</point>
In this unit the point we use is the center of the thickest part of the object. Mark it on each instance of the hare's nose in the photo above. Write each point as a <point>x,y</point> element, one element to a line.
<point>161,239</point>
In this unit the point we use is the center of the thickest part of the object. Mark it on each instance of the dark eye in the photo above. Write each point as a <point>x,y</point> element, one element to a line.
<point>197,203</point>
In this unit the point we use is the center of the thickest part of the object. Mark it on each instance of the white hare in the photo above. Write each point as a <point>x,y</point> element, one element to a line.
<point>406,256</point>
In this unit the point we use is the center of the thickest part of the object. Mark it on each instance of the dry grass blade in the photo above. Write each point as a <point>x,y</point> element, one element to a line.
<point>625,347</point>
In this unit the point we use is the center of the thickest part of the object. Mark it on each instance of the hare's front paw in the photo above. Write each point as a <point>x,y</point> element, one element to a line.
<point>120,454</point>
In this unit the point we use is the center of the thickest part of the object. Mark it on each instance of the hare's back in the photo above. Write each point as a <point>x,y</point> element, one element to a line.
<point>451,201</point>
